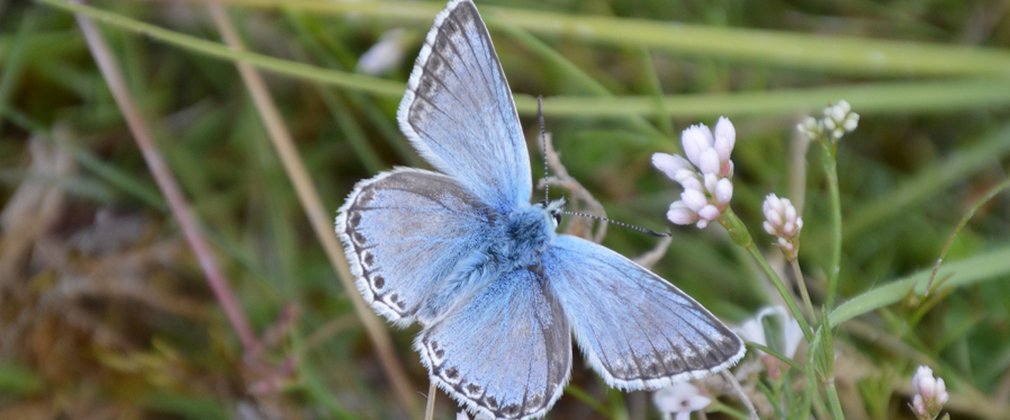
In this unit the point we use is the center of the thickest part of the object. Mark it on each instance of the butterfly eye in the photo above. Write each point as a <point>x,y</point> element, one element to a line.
<point>556,215</point>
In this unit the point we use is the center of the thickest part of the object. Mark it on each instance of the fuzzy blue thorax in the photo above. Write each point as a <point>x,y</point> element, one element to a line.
<point>519,239</point>
<point>525,233</point>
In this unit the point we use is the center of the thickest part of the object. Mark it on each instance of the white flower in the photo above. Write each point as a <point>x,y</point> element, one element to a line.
<point>786,342</point>
<point>810,127</point>
<point>782,222</point>
<point>930,394</point>
<point>385,55</point>
<point>753,330</point>
<point>838,120</point>
<point>725,139</point>
<point>680,400</point>
<point>705,173</point>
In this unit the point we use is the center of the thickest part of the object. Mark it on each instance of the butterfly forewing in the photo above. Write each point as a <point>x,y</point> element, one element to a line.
<point>404,232</point>
<point>637,330</point>
<point>459,114</point>
<point>507,352</point>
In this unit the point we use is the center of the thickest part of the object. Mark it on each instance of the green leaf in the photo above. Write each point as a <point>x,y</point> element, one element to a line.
<point>989,266</point>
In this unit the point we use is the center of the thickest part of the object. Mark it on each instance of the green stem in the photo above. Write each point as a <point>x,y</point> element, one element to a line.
<point>833,402</point>
<point>960,225</point>
<point>801,284</point>
<point>738,232</point>
<point>821,358</point>
<point>592,401</point>
<point>831,171</point>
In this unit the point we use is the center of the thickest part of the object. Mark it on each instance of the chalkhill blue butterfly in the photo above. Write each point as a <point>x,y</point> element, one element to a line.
<point>497,292</point>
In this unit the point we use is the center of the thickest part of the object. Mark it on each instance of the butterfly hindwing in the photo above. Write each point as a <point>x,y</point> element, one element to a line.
<point>637,330</point>
<point>506,353</point>
<point>404,232</point>
<point>459,114</point>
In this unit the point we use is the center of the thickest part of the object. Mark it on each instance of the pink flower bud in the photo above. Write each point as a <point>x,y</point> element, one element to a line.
<point>679,214</point>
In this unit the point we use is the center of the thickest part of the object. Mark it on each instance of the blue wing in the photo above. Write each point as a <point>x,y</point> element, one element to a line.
<point>459,114</point>
<point>506,353</point>
<point>637,330</point>
<point>405,232</point>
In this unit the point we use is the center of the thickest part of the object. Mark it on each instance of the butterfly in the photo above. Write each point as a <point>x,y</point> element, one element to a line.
<point>497,292</point>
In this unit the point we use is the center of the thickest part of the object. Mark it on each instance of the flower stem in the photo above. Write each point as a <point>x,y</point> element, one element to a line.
<point>831,171</point>
<point>738,232</point>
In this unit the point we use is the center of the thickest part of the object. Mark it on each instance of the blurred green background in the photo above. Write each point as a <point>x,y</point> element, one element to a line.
<point>105,313</point>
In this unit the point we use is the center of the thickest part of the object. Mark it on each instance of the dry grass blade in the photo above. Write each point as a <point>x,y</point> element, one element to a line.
<point>651,257</point>
<point>166,183</point>
<point>309,198</point>
<point>580,195</point>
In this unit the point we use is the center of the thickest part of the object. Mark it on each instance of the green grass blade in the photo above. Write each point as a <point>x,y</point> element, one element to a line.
<point>218,50</point>
<point>869,98</point>
<point>851,55</point>
<point>987,266</point>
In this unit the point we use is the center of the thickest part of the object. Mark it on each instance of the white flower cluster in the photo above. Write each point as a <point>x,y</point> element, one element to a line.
<point>384,55</point>
<point>838,120</point>
<point>785,339</point>
<point>782,222</point>
<point>705,174</point>
<point>679,400</point>
<point>791,335</point>
<point>930,394</point>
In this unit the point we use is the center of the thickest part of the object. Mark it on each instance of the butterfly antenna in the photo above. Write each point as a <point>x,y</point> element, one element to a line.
<point>543,145</point>
<point>618,223</point>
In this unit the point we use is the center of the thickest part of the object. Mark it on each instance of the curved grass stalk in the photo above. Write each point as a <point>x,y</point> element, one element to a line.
<point>994,264</point>
<point>869,98</point>
<point>960,225</point>
<point>314,209</point>
<point>848,55</point>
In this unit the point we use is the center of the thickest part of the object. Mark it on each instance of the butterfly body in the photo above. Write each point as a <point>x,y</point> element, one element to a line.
<point>515,240</point>
<point>498,294</point>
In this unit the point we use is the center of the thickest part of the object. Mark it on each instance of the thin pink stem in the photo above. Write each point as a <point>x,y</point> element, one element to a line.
<point>169,187</point>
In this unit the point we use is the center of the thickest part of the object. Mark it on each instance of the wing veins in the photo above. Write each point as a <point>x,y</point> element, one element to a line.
<point>433,106</point>
<point>655,351</point>
<point>484,77</point>
<point>448,61</point>
<point>494,59</point>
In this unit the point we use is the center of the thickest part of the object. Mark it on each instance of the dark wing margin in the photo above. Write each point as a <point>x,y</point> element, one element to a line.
<point>458,110</point>
<point>404,231</point>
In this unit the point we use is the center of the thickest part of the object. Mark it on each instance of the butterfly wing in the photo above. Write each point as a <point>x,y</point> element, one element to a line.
<point>404,232</point>
<point>636,329</point>
<point>507,352</point>
<point>458,110</point>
